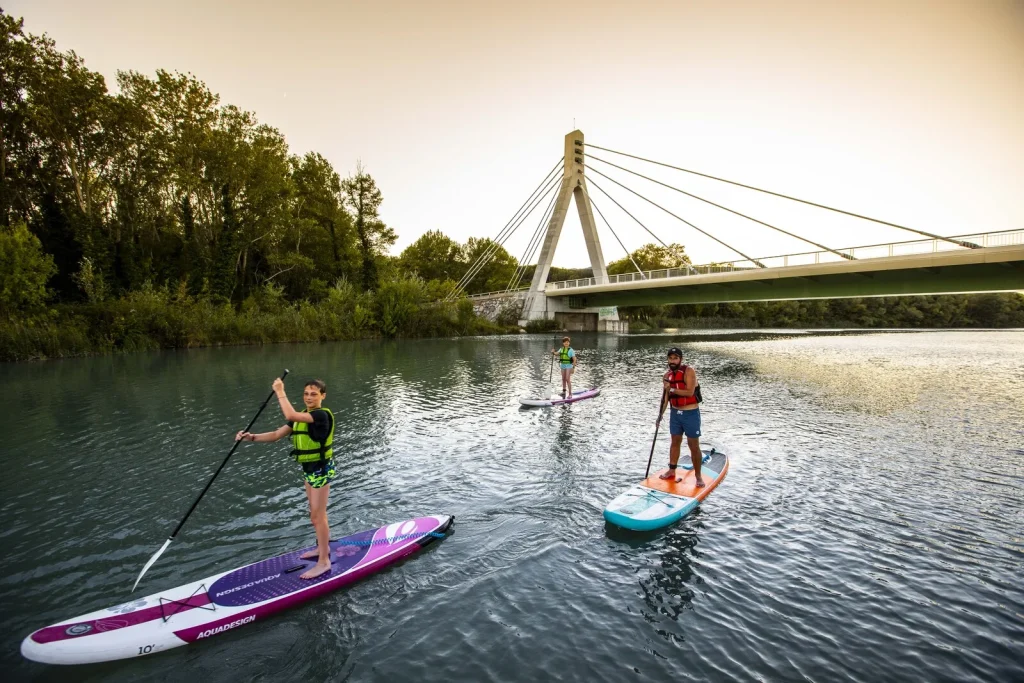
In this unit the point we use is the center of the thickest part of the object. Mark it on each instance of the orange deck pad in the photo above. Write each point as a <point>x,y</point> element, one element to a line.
<point>686,486</point>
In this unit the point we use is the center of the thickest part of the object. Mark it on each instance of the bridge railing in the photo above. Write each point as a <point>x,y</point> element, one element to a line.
<point>496,293</point>
<point>1003,238</point>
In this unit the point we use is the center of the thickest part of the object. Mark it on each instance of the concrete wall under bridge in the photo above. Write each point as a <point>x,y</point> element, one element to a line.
<point>509,305</point>
<point>588,322</point>
<point>499,305</point>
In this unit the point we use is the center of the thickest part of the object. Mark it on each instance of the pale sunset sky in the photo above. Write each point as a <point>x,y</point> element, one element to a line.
<point>909,111</point>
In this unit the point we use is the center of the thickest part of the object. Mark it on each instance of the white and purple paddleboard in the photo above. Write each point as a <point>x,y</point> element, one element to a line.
<point>558,400</point>
<point>225,601</point>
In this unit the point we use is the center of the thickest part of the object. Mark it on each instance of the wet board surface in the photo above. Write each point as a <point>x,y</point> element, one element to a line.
<point>656,502</point>
<point>580,395</point>
<point>711,471</point>
<point>225,601</point>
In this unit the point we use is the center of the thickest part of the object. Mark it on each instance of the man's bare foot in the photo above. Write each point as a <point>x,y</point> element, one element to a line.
<point>320,568</point>
<point>699,483</point>
<point>668,475</point>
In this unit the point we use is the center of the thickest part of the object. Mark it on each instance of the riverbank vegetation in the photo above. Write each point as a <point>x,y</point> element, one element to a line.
<point>157,216</point>
<point>946,311</point>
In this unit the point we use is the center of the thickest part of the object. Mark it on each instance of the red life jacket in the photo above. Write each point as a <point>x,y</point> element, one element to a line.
<point>677,380</point>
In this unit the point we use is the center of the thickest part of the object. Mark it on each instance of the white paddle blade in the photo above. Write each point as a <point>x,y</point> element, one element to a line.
<point>151,561</point>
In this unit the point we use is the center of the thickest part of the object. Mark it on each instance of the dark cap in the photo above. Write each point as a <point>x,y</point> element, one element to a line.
<point>674,352</point>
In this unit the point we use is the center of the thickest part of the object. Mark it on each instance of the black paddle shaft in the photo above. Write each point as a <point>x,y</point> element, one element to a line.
<point>230,453</point>
<point>657,425</point>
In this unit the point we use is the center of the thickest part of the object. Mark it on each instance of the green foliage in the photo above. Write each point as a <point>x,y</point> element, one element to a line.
<point>952,310</point>
<point>363,199</point>
<point>651,257</point>
<point>556,274</point>
<point>498,270</point>
<point>24,270</point>
<point>542,326</point>
<point>434,256</point>
<point>397,302</point>
<point>163,317</point>
<point>161,218</point>
<point>91,281</point>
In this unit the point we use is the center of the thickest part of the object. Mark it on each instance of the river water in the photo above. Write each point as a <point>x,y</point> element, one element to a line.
<point>869,529</point>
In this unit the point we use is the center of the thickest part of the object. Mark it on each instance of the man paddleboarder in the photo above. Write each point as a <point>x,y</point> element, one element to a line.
<point>312,432</point>
<point>682,394</point>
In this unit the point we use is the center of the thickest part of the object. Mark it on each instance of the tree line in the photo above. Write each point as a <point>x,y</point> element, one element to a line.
<point>155,215</point>
<point>157,190</point>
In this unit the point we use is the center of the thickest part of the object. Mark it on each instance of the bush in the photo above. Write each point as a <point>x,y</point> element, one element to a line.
<point>398,302</point>
<point>542,326</point>
<point>24,271</point>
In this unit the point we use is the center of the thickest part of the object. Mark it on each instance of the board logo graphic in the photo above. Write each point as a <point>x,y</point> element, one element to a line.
<point>78,629</point>
<point>128,607</point>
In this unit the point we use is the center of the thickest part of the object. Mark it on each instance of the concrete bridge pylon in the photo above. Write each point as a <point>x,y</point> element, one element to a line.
<point>537,306</point>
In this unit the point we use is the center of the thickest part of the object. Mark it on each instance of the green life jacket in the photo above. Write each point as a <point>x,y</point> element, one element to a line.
<point>563,356</point>
<point>305,449</point>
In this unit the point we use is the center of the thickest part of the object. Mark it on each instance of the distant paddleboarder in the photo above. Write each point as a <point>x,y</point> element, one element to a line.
<point>312,432</point>
<point>682,393</point>
<point>567,364</point>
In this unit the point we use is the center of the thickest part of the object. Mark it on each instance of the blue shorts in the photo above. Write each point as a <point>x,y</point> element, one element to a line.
<point>685,422</point>
<point>565,366</point>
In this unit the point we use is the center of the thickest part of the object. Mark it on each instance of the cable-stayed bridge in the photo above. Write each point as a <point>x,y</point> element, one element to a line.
<point>927,263</point>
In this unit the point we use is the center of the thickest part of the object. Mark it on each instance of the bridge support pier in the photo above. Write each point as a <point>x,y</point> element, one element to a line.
<point>537,305</point>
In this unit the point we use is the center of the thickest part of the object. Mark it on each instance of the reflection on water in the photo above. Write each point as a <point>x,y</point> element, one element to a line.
<point>895,371</point>
<point>873,508</point>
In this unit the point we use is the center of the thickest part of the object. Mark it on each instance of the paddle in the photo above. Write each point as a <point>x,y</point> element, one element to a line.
<point>551,376</point>
<point>657,425</point>
<point>203,493</point>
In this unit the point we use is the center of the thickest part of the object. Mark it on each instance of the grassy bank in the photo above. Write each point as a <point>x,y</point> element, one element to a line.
<point>159,319</point>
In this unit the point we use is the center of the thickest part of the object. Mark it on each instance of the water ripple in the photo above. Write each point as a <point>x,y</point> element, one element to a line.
<point>870,509</point>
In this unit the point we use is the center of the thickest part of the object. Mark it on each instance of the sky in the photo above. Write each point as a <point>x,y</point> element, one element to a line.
<point>912,112</point>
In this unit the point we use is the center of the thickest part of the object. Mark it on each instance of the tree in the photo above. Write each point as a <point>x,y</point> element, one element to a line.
<point>363,200</point>
<point>24,270</point>
<point>651,257</point>
<point>325,231</point>
<point>16,63</point>
<point>496,272</point>
<point>434,256</point>
<point>225,265</point>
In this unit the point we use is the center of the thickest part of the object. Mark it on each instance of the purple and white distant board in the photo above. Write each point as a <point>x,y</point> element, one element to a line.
<point>225,601</point>
<point>558,400</point>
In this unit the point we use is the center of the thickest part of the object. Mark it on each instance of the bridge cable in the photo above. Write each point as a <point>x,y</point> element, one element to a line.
<point>505,233</point>
<point>682,258</point>
<point>962,243</point>
<point>524,262</point>
<point>628,255</point>
<point>494,245</point>
<point>527,252</point>
<point>725,208</point>
<point>703,232</point>
<point>502,236</point>
<point>537,244</point>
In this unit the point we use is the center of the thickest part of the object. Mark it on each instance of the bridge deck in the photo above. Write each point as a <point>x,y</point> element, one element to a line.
<point>942,272</point>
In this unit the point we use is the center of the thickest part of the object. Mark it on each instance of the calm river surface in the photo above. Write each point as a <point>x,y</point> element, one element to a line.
<point>870,527</point>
